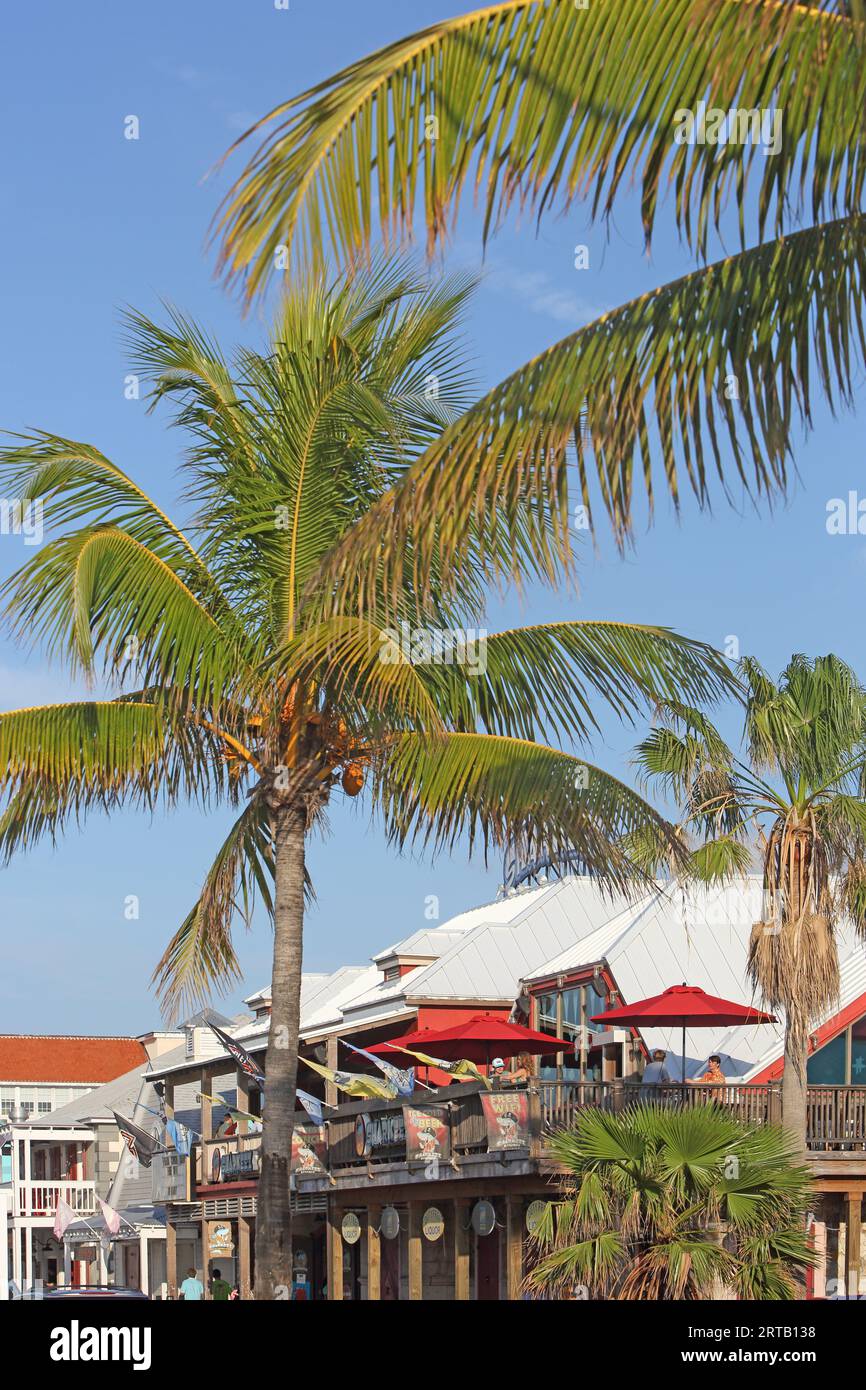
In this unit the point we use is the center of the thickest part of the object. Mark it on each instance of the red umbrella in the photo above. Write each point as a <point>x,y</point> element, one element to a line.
<point>475,1039</point>
<point>684,1006</point>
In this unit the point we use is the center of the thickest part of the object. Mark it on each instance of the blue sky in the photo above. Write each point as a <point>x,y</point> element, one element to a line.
<point>91,222</point>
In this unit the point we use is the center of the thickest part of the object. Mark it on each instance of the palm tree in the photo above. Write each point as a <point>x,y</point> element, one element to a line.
<point>233,683</point>
<point>539,104</point>
<point>798,799</point>
<point>673,1204</point>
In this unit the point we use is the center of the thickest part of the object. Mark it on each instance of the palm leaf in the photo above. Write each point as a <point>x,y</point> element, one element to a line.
<point>540,102</point>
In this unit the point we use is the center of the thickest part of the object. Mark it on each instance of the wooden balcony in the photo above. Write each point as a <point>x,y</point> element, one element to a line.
<point>835,1115</point>
<point>40,1198</point>
<point>366,1135</point>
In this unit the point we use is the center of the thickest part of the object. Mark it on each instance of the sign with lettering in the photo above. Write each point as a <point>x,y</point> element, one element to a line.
<point>379,1131</point>
<point>534,1215</point>
<point>351,1228</point>
<point>169,1178</point>
<point>428,1132</point>
<point>309,1150</point>
<point>507,1116</point>
<point>230,1164</point>
<point>219,1239</point>
<point>433,1223</point>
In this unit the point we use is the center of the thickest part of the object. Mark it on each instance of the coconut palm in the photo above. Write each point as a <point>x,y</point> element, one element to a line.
<point>544,103</point>
<point>664,1203</point>
<point>232,682</point>
<point>796,799</point>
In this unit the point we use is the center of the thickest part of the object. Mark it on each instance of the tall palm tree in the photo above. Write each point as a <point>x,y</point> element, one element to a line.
<point>235,683</point>
<point>796,799</point>
<point>544,103</point>
<point>673,1204</point>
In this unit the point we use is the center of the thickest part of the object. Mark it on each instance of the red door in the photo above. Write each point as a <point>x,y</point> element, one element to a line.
<point>487,1266</point>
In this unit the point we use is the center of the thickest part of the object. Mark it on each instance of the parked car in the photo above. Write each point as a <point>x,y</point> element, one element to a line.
<point>93,1291</point>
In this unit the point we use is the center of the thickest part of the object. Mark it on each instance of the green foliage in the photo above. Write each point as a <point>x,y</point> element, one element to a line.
<point>668,1203</point>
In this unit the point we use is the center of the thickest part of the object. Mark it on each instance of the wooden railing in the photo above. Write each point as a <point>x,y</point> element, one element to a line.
<point>835,1115</point>
<point>835,1122</point>
<point>41,1198</point>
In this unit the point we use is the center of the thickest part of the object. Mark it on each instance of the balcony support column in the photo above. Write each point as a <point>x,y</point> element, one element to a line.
<point>334,1244</point>
<point>374,1254</point>
<point>513,1247</point>
<point>462,1236</point>
<point>416,1254</point>
<point>244,1283</point>
<point>853,1218</point>
<point>171,1256</point>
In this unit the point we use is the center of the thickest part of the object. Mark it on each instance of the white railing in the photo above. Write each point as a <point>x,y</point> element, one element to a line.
<point>41,1198</point>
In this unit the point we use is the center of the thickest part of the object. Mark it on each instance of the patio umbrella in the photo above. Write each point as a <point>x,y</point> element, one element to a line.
<point>683,1006</point>
<point>477,1039</point>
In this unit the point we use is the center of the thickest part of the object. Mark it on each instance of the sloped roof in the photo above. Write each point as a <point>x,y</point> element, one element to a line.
<point>699,936</point>
<point>97,1106</point>
<point>59,1058</point>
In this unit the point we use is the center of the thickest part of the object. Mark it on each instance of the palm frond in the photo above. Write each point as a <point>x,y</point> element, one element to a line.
<point>540,102</point>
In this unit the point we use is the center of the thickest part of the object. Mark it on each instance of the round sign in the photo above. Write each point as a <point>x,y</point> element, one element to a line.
<point>483,1218</point>
<point>351,1228</point>
<point>361,1146</point>
<point>215,1166</point>
<point>390,1226</point>
<point>433,1223</point>
<point>534,1213</point>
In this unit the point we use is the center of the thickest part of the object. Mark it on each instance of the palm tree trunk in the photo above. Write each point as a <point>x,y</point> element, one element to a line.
<point>274,1218</point>
<point>794,1086</point>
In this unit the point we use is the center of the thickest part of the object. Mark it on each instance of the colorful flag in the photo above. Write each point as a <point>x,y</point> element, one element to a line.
<point>462,1068</point>
<point>64,1216</point>
<point>232,1110</point>
<point>110,1216</point>
<point>240,1054</point>
<point>363,1087</point>
<point>180,1136</point>
<point>404,1081</point>
<point>312,1105</point>
<point>140,1144</point>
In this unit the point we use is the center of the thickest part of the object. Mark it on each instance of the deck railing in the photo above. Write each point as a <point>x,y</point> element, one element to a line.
<point>40,1198</point>
<point>835,1115</point>
<point>835,1122</point>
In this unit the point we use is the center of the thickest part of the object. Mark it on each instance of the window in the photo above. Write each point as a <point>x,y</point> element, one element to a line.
<point>44,1107</point>
<point>575,1006</point>
<point>842,1061</point>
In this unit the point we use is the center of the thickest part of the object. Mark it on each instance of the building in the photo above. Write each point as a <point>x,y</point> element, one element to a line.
<point>75,1153</point>
<point>40,1073</point>
<point>387,1210</point>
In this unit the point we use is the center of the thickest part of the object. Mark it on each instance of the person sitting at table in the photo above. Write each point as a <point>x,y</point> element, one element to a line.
<point>655,1075</point>
<point>713,1076</point>
<point>520,1070</point>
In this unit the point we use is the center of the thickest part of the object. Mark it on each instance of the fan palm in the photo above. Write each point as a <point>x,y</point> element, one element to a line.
<point>798,799</point>
<point>234,682</point>
<point>541,103</point>
<point>673,1204</point>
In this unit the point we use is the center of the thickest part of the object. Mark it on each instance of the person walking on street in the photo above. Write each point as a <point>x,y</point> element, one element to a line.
<point>192,1289</point>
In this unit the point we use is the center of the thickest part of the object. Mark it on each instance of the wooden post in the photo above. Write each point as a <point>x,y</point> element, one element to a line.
<point>171,1256</point>
<point>617,1094</point>
<point>852,1241</point>
<point>205,1256</point>
<point>374,1255</point>
<point>334,1244</point>
<point>206,1109</point>
<point>774,1103</point>
<point>333,1061</point>
<point>462,1235</point>
<point>415,1253</point>
<point>244,1257</point>
<point>514,1247</point>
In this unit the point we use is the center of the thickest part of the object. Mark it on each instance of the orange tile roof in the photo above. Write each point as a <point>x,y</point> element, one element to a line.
<point>34,1058</point>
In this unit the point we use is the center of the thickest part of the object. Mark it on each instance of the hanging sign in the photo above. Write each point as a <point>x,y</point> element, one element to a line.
<point>507,1116</point>
<point>231,1164</point>
<point>390,1225</point>
<point>219,1240</point>
<point>351,1228</point>
<point>534,1214</point>
<point>433,1223</point>
<point>428,1132</point>
<point>309,1150</point>
<point>483,1218</point>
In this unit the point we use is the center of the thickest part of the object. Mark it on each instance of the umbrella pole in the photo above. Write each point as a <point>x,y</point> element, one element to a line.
<point>683,1076</point>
